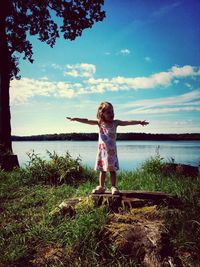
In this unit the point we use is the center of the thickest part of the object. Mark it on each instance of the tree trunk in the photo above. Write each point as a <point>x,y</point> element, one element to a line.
<point>5,68</point>
<point>7,160</point>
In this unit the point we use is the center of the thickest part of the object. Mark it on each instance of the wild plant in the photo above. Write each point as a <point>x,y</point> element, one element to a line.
<point>56,170</point>
<point>154,163</point>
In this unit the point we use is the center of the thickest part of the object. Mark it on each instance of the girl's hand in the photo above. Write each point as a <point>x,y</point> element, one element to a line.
<point>143,123</point>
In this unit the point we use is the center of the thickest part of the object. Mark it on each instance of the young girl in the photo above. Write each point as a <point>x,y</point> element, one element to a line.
<point>107,160</point>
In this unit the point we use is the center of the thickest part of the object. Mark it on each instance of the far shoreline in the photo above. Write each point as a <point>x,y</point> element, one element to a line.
<point>120,137</point>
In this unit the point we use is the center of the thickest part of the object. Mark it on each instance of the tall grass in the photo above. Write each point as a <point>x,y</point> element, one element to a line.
<point>56,170</point>
<point>31,236</point>
<point>150,177</point>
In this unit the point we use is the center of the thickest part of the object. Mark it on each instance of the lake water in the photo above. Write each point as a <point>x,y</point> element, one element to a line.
<point>131,154</point>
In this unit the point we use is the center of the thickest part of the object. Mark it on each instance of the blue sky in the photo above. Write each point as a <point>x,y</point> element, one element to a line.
<point>144,58</point>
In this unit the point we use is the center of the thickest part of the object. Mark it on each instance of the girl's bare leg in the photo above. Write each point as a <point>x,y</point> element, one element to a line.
<point>102,177</point>
<point>113,178</point>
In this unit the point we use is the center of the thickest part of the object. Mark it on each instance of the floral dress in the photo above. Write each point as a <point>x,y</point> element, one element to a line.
<point>107,151</point>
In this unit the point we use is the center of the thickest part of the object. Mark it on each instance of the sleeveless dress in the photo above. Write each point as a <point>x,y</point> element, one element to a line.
<point>107,151</point>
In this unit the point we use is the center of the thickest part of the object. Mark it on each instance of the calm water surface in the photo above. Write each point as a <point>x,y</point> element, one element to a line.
<point>131,153</point>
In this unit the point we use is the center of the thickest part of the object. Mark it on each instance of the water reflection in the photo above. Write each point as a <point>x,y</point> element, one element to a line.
<point>131,153</point>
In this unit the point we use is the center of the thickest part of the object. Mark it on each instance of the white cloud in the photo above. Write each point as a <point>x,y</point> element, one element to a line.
<point>184,71</point>
<point>166,110</point>
<point>161,79</point>
<point>22,90</point>
<point>80,70</point>
<point>185,102</point>
<point>44,78</point>
<point>125,51</point>
<point>56,66</point>
<point>188,85</point>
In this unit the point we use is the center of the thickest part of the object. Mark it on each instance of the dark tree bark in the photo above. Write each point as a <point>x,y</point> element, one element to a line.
<point>5,68</point>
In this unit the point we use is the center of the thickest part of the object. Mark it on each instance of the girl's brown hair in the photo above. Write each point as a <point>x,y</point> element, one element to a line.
<point>101,109</point>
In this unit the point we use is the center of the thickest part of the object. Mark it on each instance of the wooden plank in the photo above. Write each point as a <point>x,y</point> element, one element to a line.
<point>128,199</point>
<point>106,194</point>
<point>144,194</point>
<point>136,194</point>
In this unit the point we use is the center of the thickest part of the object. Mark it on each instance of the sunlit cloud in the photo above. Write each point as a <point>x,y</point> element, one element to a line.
<point>184,71</point>
<point>158,79</point>
<point>22,90</point>
<point>80,70</point>
<point>44,78</point>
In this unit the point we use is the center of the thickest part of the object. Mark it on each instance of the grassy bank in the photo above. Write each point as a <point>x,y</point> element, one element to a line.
<point>31,236</point>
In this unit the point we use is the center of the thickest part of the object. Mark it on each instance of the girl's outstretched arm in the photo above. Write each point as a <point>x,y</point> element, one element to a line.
<point>131,122</point>
<point>82,120</point>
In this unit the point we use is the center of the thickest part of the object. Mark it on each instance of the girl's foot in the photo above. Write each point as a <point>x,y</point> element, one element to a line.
<point>99,190</point>
<point>115,190</point>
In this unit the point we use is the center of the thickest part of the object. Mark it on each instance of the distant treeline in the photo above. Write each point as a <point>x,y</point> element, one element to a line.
<point>120,136</point>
